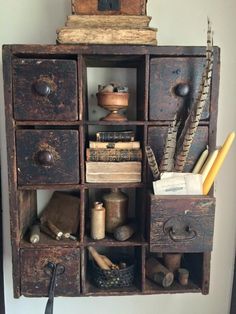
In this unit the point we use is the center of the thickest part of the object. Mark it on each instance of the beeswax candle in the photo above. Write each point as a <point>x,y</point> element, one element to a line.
<point>218,163</point>
<point>208,164</point>
<point>200,161</point>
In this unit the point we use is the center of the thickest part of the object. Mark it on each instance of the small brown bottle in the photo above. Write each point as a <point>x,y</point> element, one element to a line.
<point>116,204</point>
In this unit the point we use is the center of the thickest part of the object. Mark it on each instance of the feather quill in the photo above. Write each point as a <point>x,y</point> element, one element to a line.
<point>167,162</point>
<point>191,124</point>
<point>152,162</point>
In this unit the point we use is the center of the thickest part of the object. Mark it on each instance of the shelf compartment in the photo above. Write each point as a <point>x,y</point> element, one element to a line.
<point>132,73</point>
<point>40,206</point>
<point>181,223</point>
<point>157,137</point>
<point>196,264</point>
<point>114,254</point>
<point>134,214</point>
<point>34,279</point>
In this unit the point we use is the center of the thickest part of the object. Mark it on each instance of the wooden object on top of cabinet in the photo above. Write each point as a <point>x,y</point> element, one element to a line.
<point>48,127</point>
<point>129,7</point>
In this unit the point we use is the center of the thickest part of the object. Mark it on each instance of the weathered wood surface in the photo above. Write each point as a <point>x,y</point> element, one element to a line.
<point>108,20</point>
<point>181,224</point>
<point>130,7</point>
<point>166,96</point>
<point>107,35</point>
<point>22,213</point>
<point>35,281</point>
<point>157,138</point>
<point>45,89</point>
<point>47,156</point>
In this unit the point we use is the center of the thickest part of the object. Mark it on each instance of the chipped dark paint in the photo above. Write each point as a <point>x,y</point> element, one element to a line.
<point>60,77</point>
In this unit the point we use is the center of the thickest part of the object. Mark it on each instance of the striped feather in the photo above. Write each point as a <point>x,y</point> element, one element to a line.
<point>191,124</point>
<point>167,162</point>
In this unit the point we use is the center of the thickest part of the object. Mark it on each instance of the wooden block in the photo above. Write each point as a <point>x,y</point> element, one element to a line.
<point>108,21</point>
<point>129,7</point>
<point>104,35</point>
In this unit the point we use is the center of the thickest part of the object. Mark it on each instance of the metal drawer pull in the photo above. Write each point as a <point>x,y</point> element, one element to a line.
<point>52,270</point>
<point>188,234</point>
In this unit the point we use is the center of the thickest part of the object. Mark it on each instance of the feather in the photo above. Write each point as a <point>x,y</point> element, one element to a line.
<point>167,162</point>
<point>191,124</point>
<point>152,162</point>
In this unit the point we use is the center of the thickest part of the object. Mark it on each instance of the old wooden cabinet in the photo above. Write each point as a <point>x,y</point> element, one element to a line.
<point>48,115</point>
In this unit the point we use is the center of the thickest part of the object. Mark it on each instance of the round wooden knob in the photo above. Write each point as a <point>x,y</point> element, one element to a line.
<point>42,88</point>
<point>45,158</point>
<point>182,90</point>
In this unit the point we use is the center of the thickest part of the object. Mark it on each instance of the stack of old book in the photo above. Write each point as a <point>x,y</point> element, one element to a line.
<point>114,157</point>
<point>107,29</point>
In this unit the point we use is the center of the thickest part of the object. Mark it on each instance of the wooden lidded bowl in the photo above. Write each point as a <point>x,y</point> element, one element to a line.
<point>113,101</point>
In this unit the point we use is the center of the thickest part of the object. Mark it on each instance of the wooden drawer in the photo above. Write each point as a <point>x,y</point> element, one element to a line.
<point>174,86</point>
<point>47,156</point>
<point>45,89</point>
<point>181,223</point>
<point>157,138</point>
<point>35,279</point>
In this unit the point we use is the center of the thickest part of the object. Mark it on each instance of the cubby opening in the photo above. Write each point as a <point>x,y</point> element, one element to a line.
<point>37,207</point>
<point>114,284</point>
<point>133,215</point>
<point>126,71</point>
<point>192,262</point>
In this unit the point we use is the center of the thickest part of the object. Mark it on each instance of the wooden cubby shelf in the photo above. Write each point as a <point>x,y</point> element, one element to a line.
<point>64,118</point>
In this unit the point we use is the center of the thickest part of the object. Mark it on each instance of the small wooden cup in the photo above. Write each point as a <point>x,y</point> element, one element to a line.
<point>183,276</point>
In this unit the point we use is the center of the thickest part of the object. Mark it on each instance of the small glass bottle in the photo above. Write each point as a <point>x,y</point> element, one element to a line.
<point>116,204</point>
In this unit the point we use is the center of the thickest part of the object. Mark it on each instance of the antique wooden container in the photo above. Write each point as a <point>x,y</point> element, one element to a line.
<point>129,7</point>
<point>50,120</point>
<point>181,223</point>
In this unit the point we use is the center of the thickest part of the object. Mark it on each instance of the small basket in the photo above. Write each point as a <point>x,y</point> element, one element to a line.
<point>112,278</point>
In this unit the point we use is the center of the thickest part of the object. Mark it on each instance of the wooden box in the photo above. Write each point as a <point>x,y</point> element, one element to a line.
<point>47,142</point>
<point>181,223</point>
<point>129,7</point>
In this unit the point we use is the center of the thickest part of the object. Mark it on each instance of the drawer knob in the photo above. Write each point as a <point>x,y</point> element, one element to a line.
<point>182,90</point>
<point>45,158</point>
<point>42,88</point>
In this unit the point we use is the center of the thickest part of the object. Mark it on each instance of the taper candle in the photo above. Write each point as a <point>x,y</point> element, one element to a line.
<point>208,164</point>
<point>200,161</point>
<point>218,163</point>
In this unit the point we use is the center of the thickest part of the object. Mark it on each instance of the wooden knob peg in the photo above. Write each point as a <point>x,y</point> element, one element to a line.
<point>42,88</point>
<point>45,158</point>
<point>182,90</point>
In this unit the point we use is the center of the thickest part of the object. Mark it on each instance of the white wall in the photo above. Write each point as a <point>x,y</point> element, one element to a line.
<point>181,22</point>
